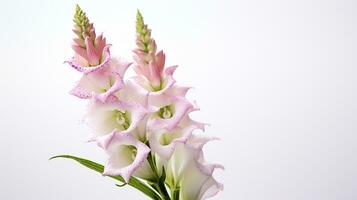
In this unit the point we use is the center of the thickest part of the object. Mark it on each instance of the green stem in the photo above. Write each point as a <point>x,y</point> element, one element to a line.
<point>159,183</point>
<point>163,190</point>
<point>175,193</point>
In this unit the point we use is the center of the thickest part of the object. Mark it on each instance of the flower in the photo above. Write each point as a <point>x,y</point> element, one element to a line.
<point>188,174</point>
<point>116,116</point>
<point>102,83</point>
<point>149,63</point>
<point>125,156</point>
<point>163,142</point>
<point>171,107</point>
<point>91,52</point>
<point>142,122</point>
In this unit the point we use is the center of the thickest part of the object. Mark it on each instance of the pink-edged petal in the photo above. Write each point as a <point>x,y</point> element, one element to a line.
<point>194,177</point>
<point>120,66</point>
<point>103,83</point>
<point>159,99</point>
<point>125,155</point>
<point>197,141</point>
<point>187,121</point>
<point>181,108</point>
<point>132,92</point>
<point>103,118</point>
<point>73,62</point>
<point>138,118</point>
<point>91,84</point>
<point>118,84</point>
<point>210,188</point>
<point>163,142</point>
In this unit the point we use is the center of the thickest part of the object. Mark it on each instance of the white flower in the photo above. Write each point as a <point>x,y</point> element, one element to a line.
<point>126,155</point>
<point>187,172</point>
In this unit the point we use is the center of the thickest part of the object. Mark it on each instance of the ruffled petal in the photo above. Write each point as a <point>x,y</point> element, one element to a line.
<point>115,116</point>
<point>126,155</point>
<point>198,185</point>
<point>180,108</point>
<point>103,83</point>
<point>164,142</point>
<point>73,62</point>
<point>117,71</point>
<point>187,171</point>
<point>132,92</point>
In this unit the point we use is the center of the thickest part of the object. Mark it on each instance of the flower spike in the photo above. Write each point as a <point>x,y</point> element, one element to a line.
<point>91,52</point>
<point>142,122</point>
<point>82,27</point>
<point>150,64</point>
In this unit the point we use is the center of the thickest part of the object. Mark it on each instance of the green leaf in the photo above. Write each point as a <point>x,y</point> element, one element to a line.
<point>134,182</point>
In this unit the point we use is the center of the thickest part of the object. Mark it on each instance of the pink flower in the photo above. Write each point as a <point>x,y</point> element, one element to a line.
<point>91,52</point>
<point>142,123</point>
<point>163,142</point>
<point>149,63</point>
<point>171,107</point>
<point>102,83</point>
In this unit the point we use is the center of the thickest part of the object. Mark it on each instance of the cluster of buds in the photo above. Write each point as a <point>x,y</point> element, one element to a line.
<point>142,122</point>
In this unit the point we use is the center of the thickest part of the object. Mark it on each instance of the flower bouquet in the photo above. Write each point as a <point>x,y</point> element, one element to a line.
<point>142,122</point>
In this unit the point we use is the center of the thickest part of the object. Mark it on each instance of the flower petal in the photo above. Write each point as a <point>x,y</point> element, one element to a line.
<point>103,118</point>
<point>181,107</point>
<point>73,62</point>
<point>132,92</point>
<point>101,84</point>
<point>92,57</point>
<point>187,171</point>
<point>168,81</point>
<point>126,155</point>
<point>164,142</point>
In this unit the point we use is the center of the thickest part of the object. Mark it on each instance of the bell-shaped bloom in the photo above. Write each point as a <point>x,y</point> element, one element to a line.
<point>187,172</point>
<point>171,107</point>
<point>102,83</point>
<point>125,155</point>
<point>132,92</point>
<point>116,116</point>
<point>163,142</point>
<point>91,52</point>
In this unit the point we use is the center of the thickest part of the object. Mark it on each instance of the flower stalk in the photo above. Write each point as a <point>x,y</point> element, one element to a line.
<point>143,122</point>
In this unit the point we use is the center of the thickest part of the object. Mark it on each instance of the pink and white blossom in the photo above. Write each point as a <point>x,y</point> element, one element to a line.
<point>102,83</point>
<point>125,155</point>
<point>143,122</point>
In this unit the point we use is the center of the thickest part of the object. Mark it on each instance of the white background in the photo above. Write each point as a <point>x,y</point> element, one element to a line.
<point>275,78</point>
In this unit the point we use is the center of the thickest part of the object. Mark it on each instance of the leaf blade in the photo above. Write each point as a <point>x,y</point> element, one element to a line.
<point>134,182</point>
